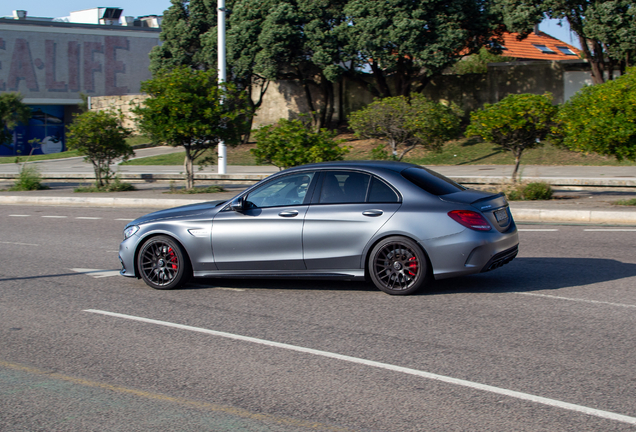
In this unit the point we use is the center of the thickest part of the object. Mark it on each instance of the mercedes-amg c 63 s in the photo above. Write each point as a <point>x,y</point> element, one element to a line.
<point>396,224</point>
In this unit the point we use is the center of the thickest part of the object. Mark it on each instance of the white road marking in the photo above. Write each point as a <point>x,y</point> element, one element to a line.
<point>124,219</point>
<point>538,230</point>
<point>19,215</point>
<point>449,380</point>
<point>97,273</point>
<point>610,229</point>
<point>87,217</point>
<point>55,217</point>
<point>21,244</point>
<point>576,299</point>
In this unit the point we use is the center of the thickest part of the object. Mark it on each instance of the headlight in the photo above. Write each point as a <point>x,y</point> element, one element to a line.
<point>130,231</point>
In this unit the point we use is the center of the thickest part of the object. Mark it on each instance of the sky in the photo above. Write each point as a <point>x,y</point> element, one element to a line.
<point>61,8</point>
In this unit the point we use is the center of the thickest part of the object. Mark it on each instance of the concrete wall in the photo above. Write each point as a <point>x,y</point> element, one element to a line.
<point>52,63</point>
<point>119,103</point>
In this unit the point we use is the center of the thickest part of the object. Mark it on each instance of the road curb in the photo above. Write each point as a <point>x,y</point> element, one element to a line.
<point>627,217</point>
<point>253,178</point>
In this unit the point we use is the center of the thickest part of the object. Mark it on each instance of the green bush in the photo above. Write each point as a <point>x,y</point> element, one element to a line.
<point>601,119</point>
<point>516,123</point>
<point>404,123</point>
<point>115,186</point>
<point>529,192</point>
<point>291,142</point>
<point>28,179</point>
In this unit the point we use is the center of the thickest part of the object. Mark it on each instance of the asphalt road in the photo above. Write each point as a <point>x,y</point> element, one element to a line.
<point>545,343</point>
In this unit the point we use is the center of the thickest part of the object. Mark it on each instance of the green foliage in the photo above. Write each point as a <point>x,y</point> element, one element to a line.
<point>12,112</point>
<point>478,63</point>
<point>412,41</point>
<point>291,142</point>
<point>101,138</point>
<point>601,119</point>
<point>115,186</point>
<point>516,123</point>
<point>187,108</point>
<point>406,123</point>
<point>528,191</point>
<point>196,190</point>
<point>29,179</point>
<point>629,202</point>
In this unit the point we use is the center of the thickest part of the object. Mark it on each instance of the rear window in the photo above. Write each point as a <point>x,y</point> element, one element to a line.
<point>432,182</point>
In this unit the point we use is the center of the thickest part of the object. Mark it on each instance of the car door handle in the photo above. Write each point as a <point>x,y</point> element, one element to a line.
<point>290,213</point>
<point>373,213</point>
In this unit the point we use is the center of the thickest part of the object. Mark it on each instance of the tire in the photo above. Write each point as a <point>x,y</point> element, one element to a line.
<point>398,266</point>
<point>162,263</point>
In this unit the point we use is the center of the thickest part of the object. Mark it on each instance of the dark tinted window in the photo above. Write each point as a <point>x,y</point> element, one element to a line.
<point>380,192</point>
<point>344,187</point>
<point>431,181</point>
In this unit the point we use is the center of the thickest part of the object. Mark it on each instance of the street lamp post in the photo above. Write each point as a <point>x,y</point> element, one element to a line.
<point>222,151</point>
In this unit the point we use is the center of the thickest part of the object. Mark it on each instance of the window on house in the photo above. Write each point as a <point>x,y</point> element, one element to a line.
<point>566,50</point>
<point>544,49</point>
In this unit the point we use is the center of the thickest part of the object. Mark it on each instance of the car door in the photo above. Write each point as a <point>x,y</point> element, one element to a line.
<point>349,207</point>
<point>267,234</point>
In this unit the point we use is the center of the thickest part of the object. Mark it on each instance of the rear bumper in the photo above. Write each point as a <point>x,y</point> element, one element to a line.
<point>501,258</point>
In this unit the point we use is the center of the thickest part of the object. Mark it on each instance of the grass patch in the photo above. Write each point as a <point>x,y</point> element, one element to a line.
<point>195,190</point>
<point>62,155</point>
<point>239,155</point>
<point>115,186</point>
<point>629,202</point>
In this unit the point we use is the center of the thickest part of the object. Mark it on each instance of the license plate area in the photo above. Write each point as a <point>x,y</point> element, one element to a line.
<point>501,215</point>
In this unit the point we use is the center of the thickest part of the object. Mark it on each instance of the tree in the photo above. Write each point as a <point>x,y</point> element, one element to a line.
<point>406,123</point>
<point>100,137</point>
<point>12,112</point>
<point>601,119</point>
<point>187,108</point>
<point>605,29</point>
<point>405,43</point>
<point>292,142</point>
<point>478,63</point>
<point>516,123</point>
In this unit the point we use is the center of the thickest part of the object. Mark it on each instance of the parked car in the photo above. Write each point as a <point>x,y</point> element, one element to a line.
<point>396,224</point>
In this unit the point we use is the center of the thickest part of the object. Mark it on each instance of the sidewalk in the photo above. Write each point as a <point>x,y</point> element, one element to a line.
<point>583,194</point>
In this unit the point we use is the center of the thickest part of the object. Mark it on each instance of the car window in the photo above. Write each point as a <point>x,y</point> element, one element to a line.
<point>431,181</point>
<point>288,190</point>
<point>344,187</point>
<point>380,192</point>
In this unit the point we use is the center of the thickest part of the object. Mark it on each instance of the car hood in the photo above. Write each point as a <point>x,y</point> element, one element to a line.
<point>186,211</point>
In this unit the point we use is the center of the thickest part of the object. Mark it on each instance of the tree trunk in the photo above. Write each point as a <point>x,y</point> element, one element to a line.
<point>517,154</point>
<point>187,167</point>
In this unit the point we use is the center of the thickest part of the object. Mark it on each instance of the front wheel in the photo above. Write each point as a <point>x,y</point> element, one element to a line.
<point>398,266</point>
<point>162,263</point>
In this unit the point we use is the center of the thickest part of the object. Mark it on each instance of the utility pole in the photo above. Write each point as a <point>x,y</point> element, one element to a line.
<point>222,151</point>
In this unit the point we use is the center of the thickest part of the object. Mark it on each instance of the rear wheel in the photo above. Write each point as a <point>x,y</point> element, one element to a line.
<point>162,263</point>
<point>398,266</point>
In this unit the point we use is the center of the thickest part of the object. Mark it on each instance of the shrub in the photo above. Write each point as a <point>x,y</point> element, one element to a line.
<point>28,179</point>
<point>404,123</point>
<point>291,142</point>
<point>601,119</point>
<point>530,192</point>
<point>516,123</point>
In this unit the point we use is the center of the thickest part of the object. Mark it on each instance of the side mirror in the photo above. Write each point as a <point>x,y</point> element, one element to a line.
<point>237,205</point>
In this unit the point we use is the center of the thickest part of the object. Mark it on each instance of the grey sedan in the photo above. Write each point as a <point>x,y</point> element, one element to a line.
<point>398,225</point>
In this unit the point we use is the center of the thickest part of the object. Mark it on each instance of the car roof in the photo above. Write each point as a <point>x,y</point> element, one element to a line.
<point>358,164</point>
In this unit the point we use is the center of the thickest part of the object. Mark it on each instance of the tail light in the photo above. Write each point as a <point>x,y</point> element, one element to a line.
<point>470,219</point>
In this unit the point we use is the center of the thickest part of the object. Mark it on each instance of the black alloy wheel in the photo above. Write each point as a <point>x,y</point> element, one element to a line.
<point>162,263</point>
<point>398,266</point>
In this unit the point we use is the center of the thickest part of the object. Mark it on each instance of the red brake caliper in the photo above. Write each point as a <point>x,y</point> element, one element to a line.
<point>412,266</point>
<point>173,258</point>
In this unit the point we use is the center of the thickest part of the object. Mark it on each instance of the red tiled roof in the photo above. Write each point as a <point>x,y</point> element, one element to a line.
<point>529,48</point>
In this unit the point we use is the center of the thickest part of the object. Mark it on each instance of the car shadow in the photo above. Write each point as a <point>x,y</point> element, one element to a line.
<point>534,274</point>
<point>521,275</point>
